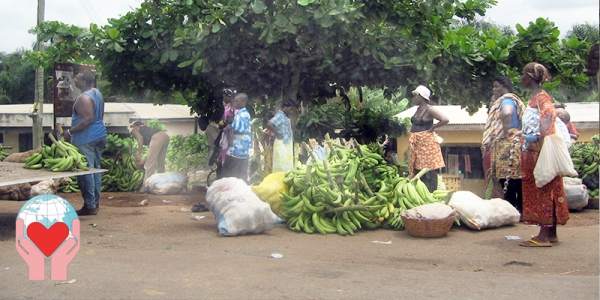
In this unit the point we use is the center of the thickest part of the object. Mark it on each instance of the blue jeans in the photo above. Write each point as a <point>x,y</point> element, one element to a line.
<point>90,184</point>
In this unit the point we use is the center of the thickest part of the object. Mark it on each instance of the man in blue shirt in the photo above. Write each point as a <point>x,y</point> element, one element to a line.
<point>88,134</point>
<point>236,163</point>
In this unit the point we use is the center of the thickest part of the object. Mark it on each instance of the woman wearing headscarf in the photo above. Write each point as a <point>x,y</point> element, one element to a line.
<point>425,151</point>
<point>545,206</point>
<point>283,146</point>
<point>501,153</point>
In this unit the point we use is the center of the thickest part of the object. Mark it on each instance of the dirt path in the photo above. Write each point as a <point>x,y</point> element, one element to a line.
<point>159,251</point>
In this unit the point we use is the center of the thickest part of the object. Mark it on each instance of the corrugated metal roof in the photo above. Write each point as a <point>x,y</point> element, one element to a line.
<point>583,112</point>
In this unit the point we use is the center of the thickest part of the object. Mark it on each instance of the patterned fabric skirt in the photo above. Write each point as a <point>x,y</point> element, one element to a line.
<point>543,206</point>
<point>501,159</point>
<point>425,152</point>
<point>283,156</point>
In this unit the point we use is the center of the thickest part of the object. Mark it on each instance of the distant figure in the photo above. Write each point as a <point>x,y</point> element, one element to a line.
<point>236,163</point>
<point>211,130</point>
<point>562,113</point>
<point>283,145</point>
<point>88,134</point>
<point>425,151</point>
<point>501,153</point>
<point>157,141</point>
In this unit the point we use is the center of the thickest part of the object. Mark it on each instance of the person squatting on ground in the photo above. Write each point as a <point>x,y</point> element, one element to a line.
<point>239,141</point>
<point>501,152</point>
<point>425,151</point>
<point>88,134</point>
<point>545,206</point>
<point>283,146</point>
<point>157,141</point>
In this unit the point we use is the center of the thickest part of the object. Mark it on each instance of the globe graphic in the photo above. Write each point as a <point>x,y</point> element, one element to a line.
<point>47,209</point>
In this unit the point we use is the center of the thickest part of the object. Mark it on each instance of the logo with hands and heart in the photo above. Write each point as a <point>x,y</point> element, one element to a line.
<point>47,227</point>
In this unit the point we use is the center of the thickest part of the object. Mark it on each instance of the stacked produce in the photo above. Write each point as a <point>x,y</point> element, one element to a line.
<point>123,174</point>
<point>349,190</point>
<point>586,158</point>
<point>61,156</point>
<point>3,154</point>
<point>70,186</point>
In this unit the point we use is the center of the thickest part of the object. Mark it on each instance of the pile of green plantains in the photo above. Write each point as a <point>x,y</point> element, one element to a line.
<point>350,189</point>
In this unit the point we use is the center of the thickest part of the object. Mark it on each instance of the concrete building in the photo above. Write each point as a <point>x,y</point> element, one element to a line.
<point>462,140</point>
<point>16,124</point>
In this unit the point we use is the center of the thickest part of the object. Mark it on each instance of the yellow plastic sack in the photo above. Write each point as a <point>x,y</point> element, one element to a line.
<point>269,191</point>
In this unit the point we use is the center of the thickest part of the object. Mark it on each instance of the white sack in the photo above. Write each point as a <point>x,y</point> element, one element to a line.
<point>237,209</point>
<point>577,196</point>
<point>166,183</point>
<point>432,211</point>
<point>478,213</point>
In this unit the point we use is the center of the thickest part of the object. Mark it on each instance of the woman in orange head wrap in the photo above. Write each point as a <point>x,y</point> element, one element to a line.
<point>545,206</point>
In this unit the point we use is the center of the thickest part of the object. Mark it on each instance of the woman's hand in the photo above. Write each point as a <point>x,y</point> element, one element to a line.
<point>279,136</point>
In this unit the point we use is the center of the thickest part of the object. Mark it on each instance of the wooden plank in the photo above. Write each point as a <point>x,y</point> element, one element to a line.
<point>15,173</point>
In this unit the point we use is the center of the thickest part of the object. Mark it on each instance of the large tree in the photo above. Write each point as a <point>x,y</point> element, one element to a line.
<point>282,49</point>
<point>306,49</point>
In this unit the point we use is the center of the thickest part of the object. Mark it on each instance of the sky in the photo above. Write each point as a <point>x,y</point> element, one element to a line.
<point>18,16</point>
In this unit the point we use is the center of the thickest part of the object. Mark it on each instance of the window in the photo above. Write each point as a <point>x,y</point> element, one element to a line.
<point>25,142</point>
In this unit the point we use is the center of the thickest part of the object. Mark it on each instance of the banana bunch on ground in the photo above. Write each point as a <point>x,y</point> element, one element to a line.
<point>71,186</point>
<point>586,158</point>
<point>585,161</point>
<point>123,174</point>
<point>61,156</point>
<point>350,189</point>
<point>3,154</point>
<point>593,193</point>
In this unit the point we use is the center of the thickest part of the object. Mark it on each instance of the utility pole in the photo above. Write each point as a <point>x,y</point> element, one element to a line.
<point>38,126</point>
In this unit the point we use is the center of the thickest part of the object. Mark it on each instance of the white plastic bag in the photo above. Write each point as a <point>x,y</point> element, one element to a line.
<point>44,187</point>
<point>478,213</point>
<point>166,183</point>
<point>237,209</point>
<point>554,160</point>
<point>577,196</point>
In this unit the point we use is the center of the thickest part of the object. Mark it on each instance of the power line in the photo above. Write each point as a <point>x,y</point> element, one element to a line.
<point>90,11</point>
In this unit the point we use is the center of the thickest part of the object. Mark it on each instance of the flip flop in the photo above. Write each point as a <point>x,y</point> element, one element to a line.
<point>534,243</point>
<point>552,242</point>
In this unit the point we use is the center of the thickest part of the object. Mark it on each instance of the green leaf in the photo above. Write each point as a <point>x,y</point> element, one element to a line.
<point>258,7</point>
<point>305,2</point>
<point>113,33</point>
<point>490,44</point>
<point>326,21</point>
<point>173,55</point>
<point>216,27</point>
<point>164,58</point>
<point>118,48</point>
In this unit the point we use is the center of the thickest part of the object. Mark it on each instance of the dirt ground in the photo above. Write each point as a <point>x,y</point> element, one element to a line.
<point>161,250</point>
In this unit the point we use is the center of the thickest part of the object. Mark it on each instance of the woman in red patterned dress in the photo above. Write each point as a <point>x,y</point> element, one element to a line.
<point>545,206</point>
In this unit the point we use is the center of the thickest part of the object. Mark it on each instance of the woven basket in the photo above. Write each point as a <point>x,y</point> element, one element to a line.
<point>428,228</point>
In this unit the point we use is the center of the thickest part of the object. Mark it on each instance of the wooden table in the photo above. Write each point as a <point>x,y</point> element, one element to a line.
<point>15,173</point>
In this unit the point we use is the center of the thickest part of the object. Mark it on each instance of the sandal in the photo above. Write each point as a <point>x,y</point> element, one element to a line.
<point>533,243</point>
<point>551,241</point>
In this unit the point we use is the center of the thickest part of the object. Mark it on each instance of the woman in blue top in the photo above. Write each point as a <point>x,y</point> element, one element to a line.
<point>501,154</point>
<point>283,146</point>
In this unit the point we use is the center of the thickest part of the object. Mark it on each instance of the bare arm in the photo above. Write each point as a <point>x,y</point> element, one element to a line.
<point>506,117</point>
<point>273,129</point>
<point>84,107</point>
<point>442,119</point>
<point>140,140</point>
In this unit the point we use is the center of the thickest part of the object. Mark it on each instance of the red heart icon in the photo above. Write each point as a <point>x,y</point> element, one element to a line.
<point>47,239</point>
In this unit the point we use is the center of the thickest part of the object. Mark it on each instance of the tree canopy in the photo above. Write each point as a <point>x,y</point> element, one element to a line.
<point>306,49</point>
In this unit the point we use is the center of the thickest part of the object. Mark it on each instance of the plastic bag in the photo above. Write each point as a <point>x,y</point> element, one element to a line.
<point>577,196</point>
<point>44,187</point>
<point>269,191</point>
<point>478,213</point>
<point>166,183</point>
<point>554,160</point>
<point>237,209</point>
